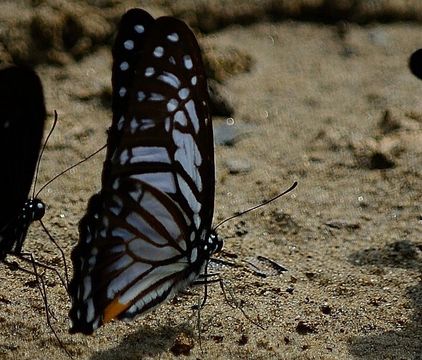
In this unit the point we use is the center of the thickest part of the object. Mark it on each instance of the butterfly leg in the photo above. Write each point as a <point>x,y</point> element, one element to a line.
<point>29,258</point>
<point>66,274</point>
<point>227,291</point>
<point>43,291</point>
<point>234,303</point>
<point>39,279</point>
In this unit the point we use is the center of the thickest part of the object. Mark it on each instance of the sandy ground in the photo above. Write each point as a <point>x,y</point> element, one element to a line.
<point>333,107</point>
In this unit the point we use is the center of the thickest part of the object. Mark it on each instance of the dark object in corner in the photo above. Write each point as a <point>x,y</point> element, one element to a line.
<point>415,63</point>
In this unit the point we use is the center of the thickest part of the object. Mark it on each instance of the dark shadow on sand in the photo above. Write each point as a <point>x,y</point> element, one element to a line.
<point>146,342</point>
<point>398,344</point>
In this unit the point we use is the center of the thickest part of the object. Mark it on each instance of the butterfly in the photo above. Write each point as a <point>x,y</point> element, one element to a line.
<point>415,63</point>
<point>147,234</point>
<point>22,117</point>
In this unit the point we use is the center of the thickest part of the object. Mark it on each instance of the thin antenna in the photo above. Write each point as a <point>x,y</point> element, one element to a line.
<point>42,152</point>
<point>70,168</point>
<point>257,206</point>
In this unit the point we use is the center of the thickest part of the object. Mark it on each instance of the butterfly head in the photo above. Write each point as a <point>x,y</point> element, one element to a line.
<point>214,243</point>
<point>34,209</point>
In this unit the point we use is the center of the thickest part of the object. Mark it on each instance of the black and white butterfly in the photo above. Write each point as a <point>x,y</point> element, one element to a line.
<point>147,234</point>
<point>22,117</point>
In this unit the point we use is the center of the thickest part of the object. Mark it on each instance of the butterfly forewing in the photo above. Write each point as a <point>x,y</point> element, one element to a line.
<point>22,116</point>
<point>166,124</point>
<point>127,50</point>
<point>143,236</point>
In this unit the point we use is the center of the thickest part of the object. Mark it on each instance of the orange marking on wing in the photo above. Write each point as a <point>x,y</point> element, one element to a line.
<point>114,309</point>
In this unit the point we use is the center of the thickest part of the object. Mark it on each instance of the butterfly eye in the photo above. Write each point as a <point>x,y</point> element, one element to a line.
<point>147,234</point>
<point>38,209</point>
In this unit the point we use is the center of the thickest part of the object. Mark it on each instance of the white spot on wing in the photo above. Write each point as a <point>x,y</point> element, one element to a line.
<point>133,125</point>
<point>120,263</point>
<point>149,71</point>
<point>194,255</point>
<point>87,287</point>
<point>180,118</point>
<point>173,37</point>
<point>194,80</point>
<point>183,93</point>
<point>170,79</point>
<point>116,205</point>
<point>182,244</point>
<point>128,44</point>
<point>95,324</point>
<point>122,91</point>
<point>197,220</point>
<point>167,124</point>
<point>172,105</point>
<point>124,157</point>
<point>117,248</point>
<point>163,181</point>
<point>141,95</point>
<point>124,66</point>
<point>146,124</point>
<point>187,61</point>
<point>188,155</point>
<point>158,51</point>
<point>90,310</point>
<point>190,107</point>
<point>120,123</point>
<point>188,194</point>
<point>139,29</point>
<point>156,97</point>
<point>150,154</point>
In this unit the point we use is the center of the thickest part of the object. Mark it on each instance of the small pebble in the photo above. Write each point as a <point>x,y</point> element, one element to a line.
<point>183,344</point>
<point>238,166</point>
<point>303,328</point>
<point>243,340</point>
<point>326,309</point>
<point>343,224</point>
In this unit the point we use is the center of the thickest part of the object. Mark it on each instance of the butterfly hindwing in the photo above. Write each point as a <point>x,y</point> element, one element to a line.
<point>144,236</point>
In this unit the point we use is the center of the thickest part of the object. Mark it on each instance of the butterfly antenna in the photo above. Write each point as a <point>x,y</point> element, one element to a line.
<point>257,206</point>
<point>70,168</point>
<point>42,152</point>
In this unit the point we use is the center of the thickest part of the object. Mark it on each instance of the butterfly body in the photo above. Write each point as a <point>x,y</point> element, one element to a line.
<point>147,234</point>
<point>22,116</point>
<point>14,233</point>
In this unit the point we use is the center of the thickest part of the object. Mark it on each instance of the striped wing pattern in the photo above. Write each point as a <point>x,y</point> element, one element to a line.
<point>22,116</point>
<point>147,234</point>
